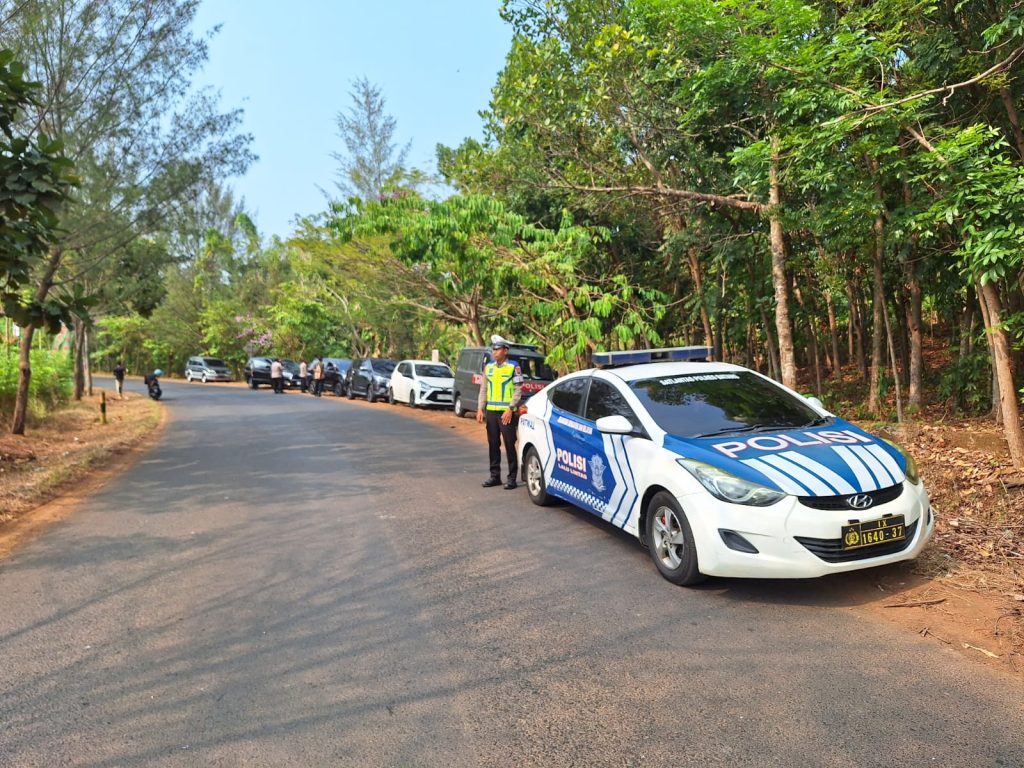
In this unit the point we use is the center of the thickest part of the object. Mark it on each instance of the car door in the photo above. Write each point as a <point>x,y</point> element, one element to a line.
<point>403,382</point>
<point>363,377</point>
<point>612,456</point>
<point>572,437</point>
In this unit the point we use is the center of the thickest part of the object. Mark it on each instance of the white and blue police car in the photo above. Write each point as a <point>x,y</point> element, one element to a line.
<point>719,470</point>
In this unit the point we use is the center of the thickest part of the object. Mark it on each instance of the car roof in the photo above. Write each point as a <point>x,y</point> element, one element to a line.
<point>631,373</point>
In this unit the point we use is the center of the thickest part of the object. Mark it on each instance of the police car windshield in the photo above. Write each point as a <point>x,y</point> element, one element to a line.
<point>435,371</point>
<point>702,405</point>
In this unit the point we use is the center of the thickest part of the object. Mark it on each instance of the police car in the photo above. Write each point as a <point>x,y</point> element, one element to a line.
<point>721,471</point>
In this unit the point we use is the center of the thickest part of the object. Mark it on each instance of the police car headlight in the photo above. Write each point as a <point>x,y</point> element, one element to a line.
<point>911,470</point>
<point>727,487</point>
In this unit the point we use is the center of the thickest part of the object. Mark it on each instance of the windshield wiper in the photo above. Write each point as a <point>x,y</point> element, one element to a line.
<point>728,431</point>
<point>817,422</point>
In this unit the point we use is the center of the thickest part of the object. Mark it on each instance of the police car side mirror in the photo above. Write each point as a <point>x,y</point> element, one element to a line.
<point>614,425</point>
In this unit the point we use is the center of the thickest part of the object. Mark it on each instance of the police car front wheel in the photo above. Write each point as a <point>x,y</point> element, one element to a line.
<point>670,541</point>
<point>535,485</point>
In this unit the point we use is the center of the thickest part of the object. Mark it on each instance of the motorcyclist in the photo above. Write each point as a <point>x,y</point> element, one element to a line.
<point>152,382</point>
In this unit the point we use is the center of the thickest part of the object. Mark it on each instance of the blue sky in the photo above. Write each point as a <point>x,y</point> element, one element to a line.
<point>290,66</point>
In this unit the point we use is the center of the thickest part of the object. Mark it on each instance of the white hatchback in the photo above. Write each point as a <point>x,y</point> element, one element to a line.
<point>422,383</point>
<point>721,471</point>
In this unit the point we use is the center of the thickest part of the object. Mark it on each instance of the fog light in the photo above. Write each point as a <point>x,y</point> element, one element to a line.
<point>734,541</point>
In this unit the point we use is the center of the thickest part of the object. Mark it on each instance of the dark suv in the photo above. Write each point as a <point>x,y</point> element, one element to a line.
<point>257,372</point>
<point>335,371</point>
<point>370,378</point>
<point>469,373</point>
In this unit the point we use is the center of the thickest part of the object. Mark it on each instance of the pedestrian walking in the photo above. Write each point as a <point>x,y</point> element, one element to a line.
<point>500,394</point>
<point>303,375</point>
<point>119,379</point>
<point>277,376</point>
<point>318,376</point>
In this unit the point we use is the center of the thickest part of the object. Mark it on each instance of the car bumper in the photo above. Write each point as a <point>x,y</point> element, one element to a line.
<point>439,397</point>
<point>795,541</point>
<point>215,377</point>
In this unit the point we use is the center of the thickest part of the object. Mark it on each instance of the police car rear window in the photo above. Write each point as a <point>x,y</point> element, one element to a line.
<point>703,405</point>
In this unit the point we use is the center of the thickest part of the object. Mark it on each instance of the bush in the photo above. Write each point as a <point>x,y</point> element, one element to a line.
<point>49,386</point>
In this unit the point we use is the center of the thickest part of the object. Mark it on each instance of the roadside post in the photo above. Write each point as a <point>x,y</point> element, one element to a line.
<point>103,407</point>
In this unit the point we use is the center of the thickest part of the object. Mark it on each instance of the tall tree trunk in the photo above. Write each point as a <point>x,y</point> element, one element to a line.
<point>693,261</point>
<point>997,406</point>
<point>79,358</point>
<point>1007,389</point>
<point>25,348</point>
<point>783,326</point>
<point>916,341</point>
<point>895,369</point>
<point>1014,117</point>
<point>773,355</point>
<point>833,330</point>
<point>878,300</point>
<point>87,364</point>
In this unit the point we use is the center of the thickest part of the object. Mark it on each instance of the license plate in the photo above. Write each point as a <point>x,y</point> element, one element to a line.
<point>872,532</point>
<point>444,397</point>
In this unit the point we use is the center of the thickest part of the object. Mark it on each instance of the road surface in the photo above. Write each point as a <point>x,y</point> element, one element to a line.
<point>285,581</point>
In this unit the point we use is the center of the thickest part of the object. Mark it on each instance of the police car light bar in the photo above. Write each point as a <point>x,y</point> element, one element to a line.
<point>638,356</point>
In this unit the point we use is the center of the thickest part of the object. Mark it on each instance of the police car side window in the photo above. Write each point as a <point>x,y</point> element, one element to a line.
<point>605,400</point>
<point>569,395</point>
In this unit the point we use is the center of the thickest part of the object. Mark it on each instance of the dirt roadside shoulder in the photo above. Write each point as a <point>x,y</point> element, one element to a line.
<point>68,457</point>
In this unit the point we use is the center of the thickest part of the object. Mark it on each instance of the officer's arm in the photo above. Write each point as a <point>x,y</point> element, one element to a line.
<point>517,390</point>
<point>481,401</point>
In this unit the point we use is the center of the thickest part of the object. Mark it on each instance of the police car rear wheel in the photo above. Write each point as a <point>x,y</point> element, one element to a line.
<point>670,541</point>
<point>535,486</point>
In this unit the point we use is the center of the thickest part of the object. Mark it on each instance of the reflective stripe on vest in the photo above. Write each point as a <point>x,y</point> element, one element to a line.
<point>500,385</point>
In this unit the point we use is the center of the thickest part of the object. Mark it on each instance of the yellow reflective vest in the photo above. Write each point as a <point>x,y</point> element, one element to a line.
<point>502,386</point>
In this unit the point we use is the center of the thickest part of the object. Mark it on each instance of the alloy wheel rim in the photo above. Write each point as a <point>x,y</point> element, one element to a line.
<point>668,537</point>
<point>533,477</point>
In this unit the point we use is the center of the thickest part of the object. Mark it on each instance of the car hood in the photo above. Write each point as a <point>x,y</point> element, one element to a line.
<point>833,460</point>
<point>438,381</point>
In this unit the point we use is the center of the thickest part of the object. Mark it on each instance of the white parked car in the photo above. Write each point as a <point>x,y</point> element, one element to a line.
<point>422,383</point>
<point>721,471</point>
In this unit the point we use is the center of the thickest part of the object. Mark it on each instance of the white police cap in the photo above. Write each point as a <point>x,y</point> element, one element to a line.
<point>500,341</point>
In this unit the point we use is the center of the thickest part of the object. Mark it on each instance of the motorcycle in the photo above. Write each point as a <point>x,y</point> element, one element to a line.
<point>152,382</point>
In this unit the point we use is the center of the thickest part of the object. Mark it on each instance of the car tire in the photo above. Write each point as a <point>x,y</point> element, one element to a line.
<point>188,376</point>
<point>251,382</point>
<point>457,408</point>
<point>533,472</point>
<point>349,393</point>
<point>670,541</point>
<point>371,394</point>
<point>338,389</point>
<point>203,378</point>
<point>412,399</point>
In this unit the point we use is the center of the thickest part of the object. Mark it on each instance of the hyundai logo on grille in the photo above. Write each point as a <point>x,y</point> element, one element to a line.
<point>860,501</point>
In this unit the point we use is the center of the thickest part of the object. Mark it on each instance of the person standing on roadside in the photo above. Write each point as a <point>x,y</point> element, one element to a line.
<point>318,376</point>
<point>498,405</point>
<point>303,375</point>
<point>277,376</point>
<point>119,379</point>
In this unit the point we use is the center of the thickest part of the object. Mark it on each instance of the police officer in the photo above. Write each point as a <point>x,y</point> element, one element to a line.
<point>500,393</point>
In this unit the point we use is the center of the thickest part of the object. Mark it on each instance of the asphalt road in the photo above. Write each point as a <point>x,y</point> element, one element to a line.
<point>284,581</point>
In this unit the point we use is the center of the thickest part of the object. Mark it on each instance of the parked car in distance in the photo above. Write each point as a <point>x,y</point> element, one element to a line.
<point>257,372</point>
<point>422,383</point>
<point>469,373</point>
<point>207,369</point>
<point>370,378</point>
<point>335,371</point>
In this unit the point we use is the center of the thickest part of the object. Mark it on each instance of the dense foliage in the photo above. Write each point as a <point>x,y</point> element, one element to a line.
<point>824,191</point>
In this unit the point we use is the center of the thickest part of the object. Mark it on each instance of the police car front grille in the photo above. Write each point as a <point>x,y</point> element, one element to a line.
<point>882,496</point>
<point>831,550</point>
